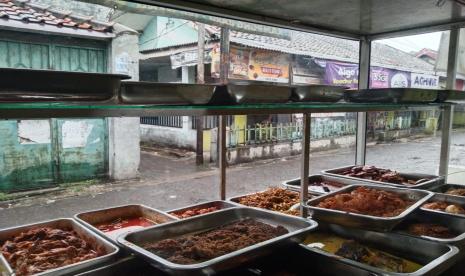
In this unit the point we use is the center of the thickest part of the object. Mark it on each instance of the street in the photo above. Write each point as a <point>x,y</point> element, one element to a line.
<point>167,182</point>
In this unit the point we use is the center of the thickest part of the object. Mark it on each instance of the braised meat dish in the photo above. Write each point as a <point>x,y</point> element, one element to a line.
<point>456,192</point>
<point>274,199</point>
<point>45,248</point>
<point>195,212</point>
<point>445,207</point>
<point>367,201</point>
<point>382,175</point>
<point>197,248</point>
<point>431,230</point>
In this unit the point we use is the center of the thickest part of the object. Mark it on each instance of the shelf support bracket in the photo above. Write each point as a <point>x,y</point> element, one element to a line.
<point>363,83</point>
<point>222,155</point>
<point>305,164</point>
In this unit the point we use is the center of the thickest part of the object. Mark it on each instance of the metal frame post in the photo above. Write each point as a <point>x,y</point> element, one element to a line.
<point>305,164</point>
<point>448,111</point>
<point>224,55</point>
<point>222,155</point>
<point>363,83</point>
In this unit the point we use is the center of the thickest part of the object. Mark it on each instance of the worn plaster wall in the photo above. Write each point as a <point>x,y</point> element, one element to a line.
<point>124,134</point>
<point>184,137</point>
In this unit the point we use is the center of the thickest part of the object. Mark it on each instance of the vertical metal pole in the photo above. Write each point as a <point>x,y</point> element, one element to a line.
<point>305,164</point>
<point>201,80</point>
<point>363,83</point>
<point>222,156</point>
<point>448,111</point>
<point>224,55</point>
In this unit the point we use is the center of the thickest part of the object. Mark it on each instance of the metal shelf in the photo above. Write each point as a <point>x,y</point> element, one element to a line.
<point>66,110</point>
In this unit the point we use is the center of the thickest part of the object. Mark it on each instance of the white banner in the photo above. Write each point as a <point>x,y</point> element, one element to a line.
<point>424,81</point>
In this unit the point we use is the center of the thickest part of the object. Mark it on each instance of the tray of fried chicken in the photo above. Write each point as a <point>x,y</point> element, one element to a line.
<point>381,176</point>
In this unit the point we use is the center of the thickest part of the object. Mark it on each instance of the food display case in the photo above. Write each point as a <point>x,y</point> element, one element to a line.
<point>135,99</point>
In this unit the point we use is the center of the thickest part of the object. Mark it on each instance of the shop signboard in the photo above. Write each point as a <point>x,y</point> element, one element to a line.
<point>424,81</point>
<point>341,74</point>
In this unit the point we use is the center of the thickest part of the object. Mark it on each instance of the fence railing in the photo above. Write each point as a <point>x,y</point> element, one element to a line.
<point>167,121</point>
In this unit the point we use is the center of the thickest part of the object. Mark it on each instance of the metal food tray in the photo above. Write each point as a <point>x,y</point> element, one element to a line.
<point>449,199</point>
<point>253,93</point>
<point>317,93</point>
<point>297,227</point>
<point>392,95</point>
<point>65,223</point>
<point>28,85</point>
<point>221,204</point>
<point>133,92</point>
<point>366,221</point>
<point>435,257</point>
<point>433,182</point>
<point>445,187</point>
<point>236,199</point>
<point>294,184</point>
<point>5,269</point>
<point>423,216</point>
<point>91,218</point>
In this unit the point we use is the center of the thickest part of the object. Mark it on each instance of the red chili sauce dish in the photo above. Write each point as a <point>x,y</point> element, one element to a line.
<point>124,225</point>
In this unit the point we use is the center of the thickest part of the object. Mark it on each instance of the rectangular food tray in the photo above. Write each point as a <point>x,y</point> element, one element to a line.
<point>423,216</point>
<point>435,257</point>
<point>91,218</point>
<point>449,199</point>
<point>133,92</point>
<point>366,221</point>
<point>294,184</point>
<point>392,95</point>
<point>236,199</point>
<point>221,204</point>
<point>30,85</point>
<point>433,182</point>
<point>251,93</point>
<point>64,223</point>
<point>445,187</point>
<point>297,227</point>
<point>455,96</point>
<point>317,93</point>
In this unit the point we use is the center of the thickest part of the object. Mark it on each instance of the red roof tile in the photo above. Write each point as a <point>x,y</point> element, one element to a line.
<point>23,10</point>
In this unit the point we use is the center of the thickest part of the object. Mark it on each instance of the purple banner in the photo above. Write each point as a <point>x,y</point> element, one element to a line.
<point>341,74</point>
<point>388,78</point>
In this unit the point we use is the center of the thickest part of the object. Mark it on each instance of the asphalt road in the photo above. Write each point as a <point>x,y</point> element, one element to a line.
<point>167,183</point>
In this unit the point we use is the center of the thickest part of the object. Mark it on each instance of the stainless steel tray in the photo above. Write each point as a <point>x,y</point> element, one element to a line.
<point>366,221</point>
<point>435,257</point>
<point>28,85</point>
<point>165,93</point>
<point>91,218</point>
<point>294,184</point>
<point>433,182</point>
<point>297,227</point>
<point>455,96</point>
<point>65,223</point>
<point>423,216</point>
<point>317,93</point>
<point>392,95</point>
<point>445,187</point>
<point>5,269</point>
<point>236,199</point>
<point>447,198</point>
<point>254,93</point>
<point>126,266</point>
<point>221,204</point>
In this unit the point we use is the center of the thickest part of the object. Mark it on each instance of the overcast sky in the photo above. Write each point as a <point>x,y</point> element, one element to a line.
<point>414,42</point>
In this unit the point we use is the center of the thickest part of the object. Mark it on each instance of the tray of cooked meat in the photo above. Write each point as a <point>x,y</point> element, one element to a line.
<point>55,247</point>
<point>450,189</point>
<point>374,175</point>
<point>31,85</point>
<point>111,222</point>
<point>201,209</point>
<point>216,241</point>
<point>319,184</point>
<point>317,93</point>
<point>138,92</point>
<point>380,253</point>
<point>446,204</point>
<point>392,95</point>
<point>367,206</point>
<point>435,227</point>
<point>273,199</point>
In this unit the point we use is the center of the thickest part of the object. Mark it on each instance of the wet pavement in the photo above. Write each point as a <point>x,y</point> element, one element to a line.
<point>167,182</point>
